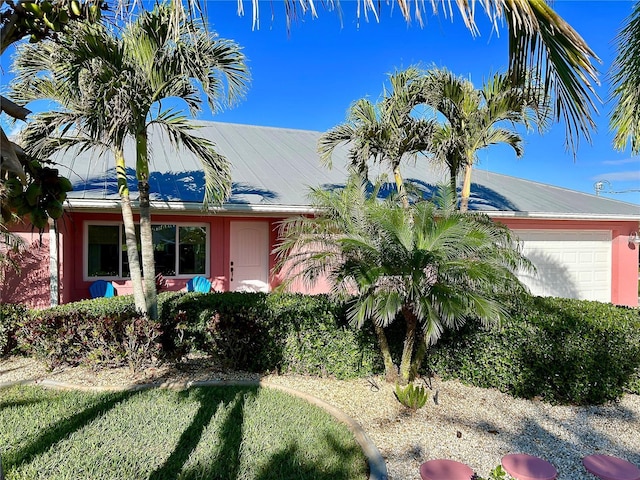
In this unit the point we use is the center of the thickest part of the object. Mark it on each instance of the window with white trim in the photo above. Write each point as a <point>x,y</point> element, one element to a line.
<point>179,250</point>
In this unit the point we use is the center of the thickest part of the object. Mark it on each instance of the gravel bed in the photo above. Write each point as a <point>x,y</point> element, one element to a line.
<point>472,425</point>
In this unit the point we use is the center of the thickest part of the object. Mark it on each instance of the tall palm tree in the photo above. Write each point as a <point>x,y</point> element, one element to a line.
<point>625,118</point>
<point>155,59</point>
<point>474,119</point>
<point>428,264</point>
<point>385,133</point>
<point>539,40</point>
<point>80,124</point>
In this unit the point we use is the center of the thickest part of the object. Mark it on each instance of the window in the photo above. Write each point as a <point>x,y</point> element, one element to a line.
<point>177,249</point>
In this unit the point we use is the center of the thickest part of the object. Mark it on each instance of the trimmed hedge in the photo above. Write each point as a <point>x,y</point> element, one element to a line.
<point>261,332</point>
<point>10,316</point>
<point>99,332</point>
<point>559,350</point>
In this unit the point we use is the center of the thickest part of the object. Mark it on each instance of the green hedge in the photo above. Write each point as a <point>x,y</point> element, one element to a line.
<point>563,351</point>
<point>560,350</point>
<point>10,316</point>
<point>98,332</point>
<point>261,332</point>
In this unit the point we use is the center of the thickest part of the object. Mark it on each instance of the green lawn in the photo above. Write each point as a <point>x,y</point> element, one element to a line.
<point>202,433</point>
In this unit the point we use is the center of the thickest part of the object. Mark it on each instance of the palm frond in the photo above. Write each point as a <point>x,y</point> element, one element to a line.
<point>217,171</point>
<point>625,76</point>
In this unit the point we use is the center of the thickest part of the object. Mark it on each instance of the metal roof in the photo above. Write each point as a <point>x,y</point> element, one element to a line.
<point>273,169</point>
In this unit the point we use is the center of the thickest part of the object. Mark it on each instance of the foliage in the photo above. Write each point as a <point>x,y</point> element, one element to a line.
<point>427,264</point>
<point>204,432</point>
<point>625,118</point>
<point>10,316</point>
<point>470,119</point>
<point>260,332</point>
<point>387,132</point>
<point>40,199</point>
<point>412,396</point>
<point>497,473</point>
<point>110,84</point>
<point>100,333</point>
<point>559,350</point>
<point>540,40</point>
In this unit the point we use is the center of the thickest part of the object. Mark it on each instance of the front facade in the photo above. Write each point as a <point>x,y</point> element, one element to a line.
<point>578,242</point>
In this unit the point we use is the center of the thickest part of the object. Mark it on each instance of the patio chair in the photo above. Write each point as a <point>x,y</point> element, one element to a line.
<point>101,288</point>
<point>199,284</point>
<point>607,467</point>
<point>528,467</point>
<point>442,469</point>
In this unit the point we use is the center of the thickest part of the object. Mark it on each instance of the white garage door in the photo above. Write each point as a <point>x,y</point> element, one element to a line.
<point>570,263</point>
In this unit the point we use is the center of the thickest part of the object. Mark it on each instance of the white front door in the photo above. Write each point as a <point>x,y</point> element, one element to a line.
<point>249,256</point>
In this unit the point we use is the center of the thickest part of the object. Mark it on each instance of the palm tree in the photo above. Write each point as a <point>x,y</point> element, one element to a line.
<point>539,40</point>
<point>82,117</point>
<point>625,118</point>
<point>154,59</point>
<point>385,133</point>
<point>428,264</point>
<point>478,118</point>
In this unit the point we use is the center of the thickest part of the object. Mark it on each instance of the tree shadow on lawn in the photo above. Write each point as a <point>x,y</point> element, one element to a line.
<point>290,464</point>
<point>62,429</point>
<point>226,463</point>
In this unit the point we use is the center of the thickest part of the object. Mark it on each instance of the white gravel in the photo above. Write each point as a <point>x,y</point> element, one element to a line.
<point>472,425</point>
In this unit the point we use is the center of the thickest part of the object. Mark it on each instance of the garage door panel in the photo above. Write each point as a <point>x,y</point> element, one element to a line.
<point>570,263</point>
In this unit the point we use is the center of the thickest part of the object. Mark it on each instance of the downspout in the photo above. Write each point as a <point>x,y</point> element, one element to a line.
<point>54,274</point>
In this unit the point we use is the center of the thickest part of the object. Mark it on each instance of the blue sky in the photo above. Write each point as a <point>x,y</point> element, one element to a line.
<point>308,77</point>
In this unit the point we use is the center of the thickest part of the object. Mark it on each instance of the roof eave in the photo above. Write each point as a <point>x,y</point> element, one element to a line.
<point>564,216</point>
<point>190,208</point>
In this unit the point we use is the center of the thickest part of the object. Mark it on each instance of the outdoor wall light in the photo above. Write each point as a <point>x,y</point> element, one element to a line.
<point>634,239</point>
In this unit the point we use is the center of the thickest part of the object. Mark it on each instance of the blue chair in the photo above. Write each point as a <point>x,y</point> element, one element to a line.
<point>199,284</point>
<point>100,288</point>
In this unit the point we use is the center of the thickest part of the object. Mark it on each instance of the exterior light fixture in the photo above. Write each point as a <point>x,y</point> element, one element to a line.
<point>634,239</point>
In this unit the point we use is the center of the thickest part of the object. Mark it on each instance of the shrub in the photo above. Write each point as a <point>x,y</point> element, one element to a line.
<point>261,332</point>
<point>10,316</point>
<point>411,396</point>
<point>561,350</point>
<point>98,332</point>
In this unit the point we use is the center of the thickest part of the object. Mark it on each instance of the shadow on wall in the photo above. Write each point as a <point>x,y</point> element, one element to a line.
<point>29,286</point>
<point>550,279</point>
<point>168,186</point>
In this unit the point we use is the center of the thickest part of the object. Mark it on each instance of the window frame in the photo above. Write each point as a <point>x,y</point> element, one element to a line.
<point>120,225</point>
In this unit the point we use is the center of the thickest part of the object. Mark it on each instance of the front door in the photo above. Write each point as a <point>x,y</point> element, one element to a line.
<point>249,256</point>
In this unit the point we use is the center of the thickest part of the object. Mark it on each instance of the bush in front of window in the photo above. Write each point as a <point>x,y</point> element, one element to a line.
<point>266,332</point>
<point>98,333</point>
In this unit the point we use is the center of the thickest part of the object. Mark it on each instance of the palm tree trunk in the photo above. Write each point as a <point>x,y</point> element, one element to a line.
<point>466,188</point>
<point>130,233</point>
<point>421,351</point>
<point>390,370</point>
<point>409,342</point>
<point>400,186</point>
<point>146,235</point>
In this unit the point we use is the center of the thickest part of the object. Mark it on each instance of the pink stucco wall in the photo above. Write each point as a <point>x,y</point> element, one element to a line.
<point>29,285</point>
<point>32,285</point>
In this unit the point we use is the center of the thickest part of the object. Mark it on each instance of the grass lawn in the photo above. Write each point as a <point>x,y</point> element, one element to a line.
<point>202,433</point>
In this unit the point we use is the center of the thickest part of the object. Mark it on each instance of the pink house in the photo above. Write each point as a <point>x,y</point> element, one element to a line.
<point>582,245</point>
